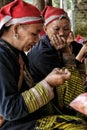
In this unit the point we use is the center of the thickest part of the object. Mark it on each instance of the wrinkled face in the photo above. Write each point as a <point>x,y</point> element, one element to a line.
<point>28,35</point>
<point>58,26</point>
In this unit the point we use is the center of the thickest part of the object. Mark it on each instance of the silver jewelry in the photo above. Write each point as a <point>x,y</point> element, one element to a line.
<point>16,36</point>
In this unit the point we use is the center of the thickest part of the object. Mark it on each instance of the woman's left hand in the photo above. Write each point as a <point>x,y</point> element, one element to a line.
<point>82,53</point>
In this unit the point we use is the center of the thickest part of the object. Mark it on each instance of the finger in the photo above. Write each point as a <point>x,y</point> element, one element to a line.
<point>66,70</point>
<point>59,71</point>
<point>67,74</point>
<point>62,42</point>
<point>55,41</point>
<point>61,39</point>
<point>58,42</point>
<point>56,69</point>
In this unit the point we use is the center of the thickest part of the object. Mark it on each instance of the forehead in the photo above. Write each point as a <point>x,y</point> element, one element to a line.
<point>59,22</point>
<point>34,27</point>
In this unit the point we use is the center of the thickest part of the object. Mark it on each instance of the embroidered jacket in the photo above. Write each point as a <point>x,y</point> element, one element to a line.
<point>20,106</point>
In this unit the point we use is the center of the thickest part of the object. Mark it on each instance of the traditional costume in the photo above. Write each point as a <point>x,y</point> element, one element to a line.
<point>43,57</point>
<point>21,102</point>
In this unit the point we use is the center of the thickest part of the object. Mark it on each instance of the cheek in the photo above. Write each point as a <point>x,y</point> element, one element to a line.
<point>22,37</point>
<point>50,32</point>
<point>26,38</point>
<point>30,38</point>
<point>66,34</point>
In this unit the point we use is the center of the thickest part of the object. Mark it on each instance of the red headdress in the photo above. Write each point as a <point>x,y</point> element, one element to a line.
<point>19,11</point>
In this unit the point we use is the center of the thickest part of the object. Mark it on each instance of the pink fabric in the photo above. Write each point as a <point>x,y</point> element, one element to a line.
<point>80,103</point>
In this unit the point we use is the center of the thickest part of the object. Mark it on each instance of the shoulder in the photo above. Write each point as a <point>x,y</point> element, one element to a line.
<point>40,49</point>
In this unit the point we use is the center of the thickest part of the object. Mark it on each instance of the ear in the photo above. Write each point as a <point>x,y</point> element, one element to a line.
<point>45,28</point>
<point>16,28</point>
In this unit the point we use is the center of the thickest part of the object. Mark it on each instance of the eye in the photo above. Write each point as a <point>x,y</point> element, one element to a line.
<point>34,34</point>
<point>66,28</point>
<point>56,29</point>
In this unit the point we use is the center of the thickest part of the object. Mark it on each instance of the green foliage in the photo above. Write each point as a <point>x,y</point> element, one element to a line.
<point>29,1</point>
<point>55,3</point>
<point>68,4</point>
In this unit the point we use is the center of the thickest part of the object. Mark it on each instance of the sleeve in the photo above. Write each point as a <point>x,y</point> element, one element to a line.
<point>42,62</point>
<point>15,105</point>
<point>38,96</point>
<point>82,71</point>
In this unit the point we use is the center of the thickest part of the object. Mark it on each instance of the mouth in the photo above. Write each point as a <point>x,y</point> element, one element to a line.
<point>27,48</point>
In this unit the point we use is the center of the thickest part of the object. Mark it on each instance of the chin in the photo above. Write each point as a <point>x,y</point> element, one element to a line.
<point>27,49</point>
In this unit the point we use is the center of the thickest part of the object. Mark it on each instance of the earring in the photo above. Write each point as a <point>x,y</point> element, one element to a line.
<point>16,36</point>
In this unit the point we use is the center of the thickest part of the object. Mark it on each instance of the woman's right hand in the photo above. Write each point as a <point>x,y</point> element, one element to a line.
<point>58,77</point>
<point>58,42</point>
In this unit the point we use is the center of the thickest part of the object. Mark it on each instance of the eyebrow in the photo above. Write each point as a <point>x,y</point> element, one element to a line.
<point>59,26</point>
<point>38,30</point>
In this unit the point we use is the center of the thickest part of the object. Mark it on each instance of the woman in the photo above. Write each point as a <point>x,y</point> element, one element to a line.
<point>21,101</point>
<point>58,40</point>
<point>56,50</point>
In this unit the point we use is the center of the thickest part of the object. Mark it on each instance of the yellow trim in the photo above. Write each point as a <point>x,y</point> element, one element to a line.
<point>43,93</point>
<point>31,100</point>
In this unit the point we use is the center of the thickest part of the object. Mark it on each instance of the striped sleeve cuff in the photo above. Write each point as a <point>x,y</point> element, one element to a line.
<point>49,88</point>
<point>38,96</point>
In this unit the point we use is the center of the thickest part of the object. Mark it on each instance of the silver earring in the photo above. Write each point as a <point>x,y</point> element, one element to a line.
<point>16,36</point>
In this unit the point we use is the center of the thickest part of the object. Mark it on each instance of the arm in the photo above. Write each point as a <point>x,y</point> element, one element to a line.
<point>82,53</point>
<point>79,52</point>
<point>14,104</point>
<point>42,60</point>
<point>80,61</point>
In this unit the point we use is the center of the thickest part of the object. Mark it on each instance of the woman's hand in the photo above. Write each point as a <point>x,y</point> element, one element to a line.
<point>60,43</point>
<point>82,53</point>
<point>58,77</point>
<point>57,41</point>
<point>70,38</point>
<point>2,120</point>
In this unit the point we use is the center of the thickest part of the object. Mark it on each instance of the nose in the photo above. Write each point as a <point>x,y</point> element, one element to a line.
<point>61,32</point>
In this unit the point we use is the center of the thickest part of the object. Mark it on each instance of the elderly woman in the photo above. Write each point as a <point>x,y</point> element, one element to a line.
<point>56,50</point>
<point>57,42</point>
<point>22,102</point>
